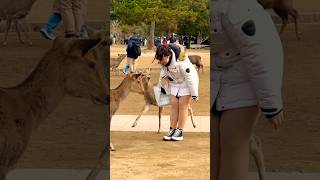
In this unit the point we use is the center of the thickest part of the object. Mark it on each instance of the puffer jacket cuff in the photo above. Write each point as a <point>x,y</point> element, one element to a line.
<point>271,112</point>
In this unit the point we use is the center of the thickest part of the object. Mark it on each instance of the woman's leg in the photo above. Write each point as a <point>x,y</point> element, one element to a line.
<point>215,142</point>
<point>77,9</point>
<point>235,129</point>
<point>183,110</point>
<point>173,118</point>
<point>174,114</point>
<point>130,62</point>
<point>134,65</point>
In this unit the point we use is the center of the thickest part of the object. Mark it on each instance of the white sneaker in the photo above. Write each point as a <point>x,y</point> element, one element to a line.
<point>169,135</point>
<point>177,135</point>
<point>46,34</point>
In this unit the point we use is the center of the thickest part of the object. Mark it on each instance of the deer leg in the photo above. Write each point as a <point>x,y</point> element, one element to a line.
<point>2,176</point>
<point>26,31</point>
<point>95,171</point>
<point>294,13</point>
<point>112,147</point>
<point>160,112</point>
<point>284,25</point>
<point>18,31</point>
<point>256,152</point>
<point>8,26</point>
<point>191,115</point>
<point>144,110</point>
<point>284,16</point>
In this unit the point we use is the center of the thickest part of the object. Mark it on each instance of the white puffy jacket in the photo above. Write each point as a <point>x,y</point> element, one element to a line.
<point>184,75</point>
<point>247,57</point>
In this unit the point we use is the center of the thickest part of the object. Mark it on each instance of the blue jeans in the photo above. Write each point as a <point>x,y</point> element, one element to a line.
<point>126,69</point>
<point>53,21</point>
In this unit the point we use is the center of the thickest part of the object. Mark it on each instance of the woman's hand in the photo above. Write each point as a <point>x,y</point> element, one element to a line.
<point>277,120</point>
<point>164,81</point>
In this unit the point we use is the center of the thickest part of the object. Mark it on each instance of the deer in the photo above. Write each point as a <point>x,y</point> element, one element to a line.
<point>120,93</point>
<point>144,87</point>
<point>255,148</point>
<point>115,62</point>
<point>283,8</point>
<point>117,95</point>
<point>15,12</point>
<point>72,67</point>
<point>196,60</point>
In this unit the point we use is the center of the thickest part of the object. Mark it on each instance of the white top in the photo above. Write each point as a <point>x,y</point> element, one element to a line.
<point>184,75</point>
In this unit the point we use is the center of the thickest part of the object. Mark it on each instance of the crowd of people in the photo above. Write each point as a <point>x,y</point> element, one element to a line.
<point>161,40</point>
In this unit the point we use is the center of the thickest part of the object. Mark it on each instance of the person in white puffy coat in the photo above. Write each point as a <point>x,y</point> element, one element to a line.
<point>246,78</point>
<point>182,78</point>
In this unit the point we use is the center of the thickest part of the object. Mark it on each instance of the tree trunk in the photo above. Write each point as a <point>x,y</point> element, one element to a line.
<point>199,39</point>
<point>151,37</point>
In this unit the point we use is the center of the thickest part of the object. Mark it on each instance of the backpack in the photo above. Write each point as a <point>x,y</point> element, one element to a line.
<point>136,50</point>
<point>176,49</point>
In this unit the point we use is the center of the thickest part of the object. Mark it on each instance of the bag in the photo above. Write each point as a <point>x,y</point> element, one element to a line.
<point>162,99</point>
<point>136,50</point>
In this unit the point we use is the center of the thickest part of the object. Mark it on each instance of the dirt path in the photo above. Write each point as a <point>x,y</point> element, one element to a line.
<point>148,157</point>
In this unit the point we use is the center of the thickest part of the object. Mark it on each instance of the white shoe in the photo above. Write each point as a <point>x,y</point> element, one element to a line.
<point>177,135</point>
<point>46,34</point>
<point>169,135</point>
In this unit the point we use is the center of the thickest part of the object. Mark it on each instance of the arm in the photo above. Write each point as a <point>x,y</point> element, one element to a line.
<point>191,77</point>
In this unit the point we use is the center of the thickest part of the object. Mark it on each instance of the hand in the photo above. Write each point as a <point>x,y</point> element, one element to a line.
<point>164,81</point>
<point>277,120</point>
<point>195,98</point>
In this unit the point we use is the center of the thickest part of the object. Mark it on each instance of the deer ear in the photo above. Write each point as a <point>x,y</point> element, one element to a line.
<point>135,75</point>
<point>80,46</point>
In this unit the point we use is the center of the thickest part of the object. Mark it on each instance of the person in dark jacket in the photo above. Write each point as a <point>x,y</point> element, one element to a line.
<point>133,52</point>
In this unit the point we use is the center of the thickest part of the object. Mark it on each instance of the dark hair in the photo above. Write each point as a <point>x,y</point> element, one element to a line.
<point>162,50</point>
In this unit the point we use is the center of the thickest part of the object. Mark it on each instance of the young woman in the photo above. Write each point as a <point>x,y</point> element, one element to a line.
<point>182,78</point>
<point>246,78</point>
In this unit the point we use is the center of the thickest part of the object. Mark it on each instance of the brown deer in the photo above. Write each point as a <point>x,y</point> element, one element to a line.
<point>283,8</point>
<point>116,96</point>
<point>71,67</point>
<point>196,60</point>
<point>144,87</point>
<point>115,62</point>
<point>256,151</point>
<point>120,93</point>
<point>16,12</point>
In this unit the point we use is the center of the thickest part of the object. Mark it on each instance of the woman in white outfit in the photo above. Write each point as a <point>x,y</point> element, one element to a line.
<point>246,78</point>
<point>182,78</point>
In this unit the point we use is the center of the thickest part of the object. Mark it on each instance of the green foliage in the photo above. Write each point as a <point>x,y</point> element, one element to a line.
<point>187,17</point>
<point>201,24</point>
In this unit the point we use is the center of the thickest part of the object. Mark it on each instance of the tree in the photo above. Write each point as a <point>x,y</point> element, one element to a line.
<point>201,26</point>
<point>153,12</point>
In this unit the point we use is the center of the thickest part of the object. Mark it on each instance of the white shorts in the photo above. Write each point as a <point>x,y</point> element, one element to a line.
<point>180,91</point>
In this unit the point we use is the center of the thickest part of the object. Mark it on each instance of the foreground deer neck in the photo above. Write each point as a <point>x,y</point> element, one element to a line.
<point>44,88</point>
<point>123,89</point>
